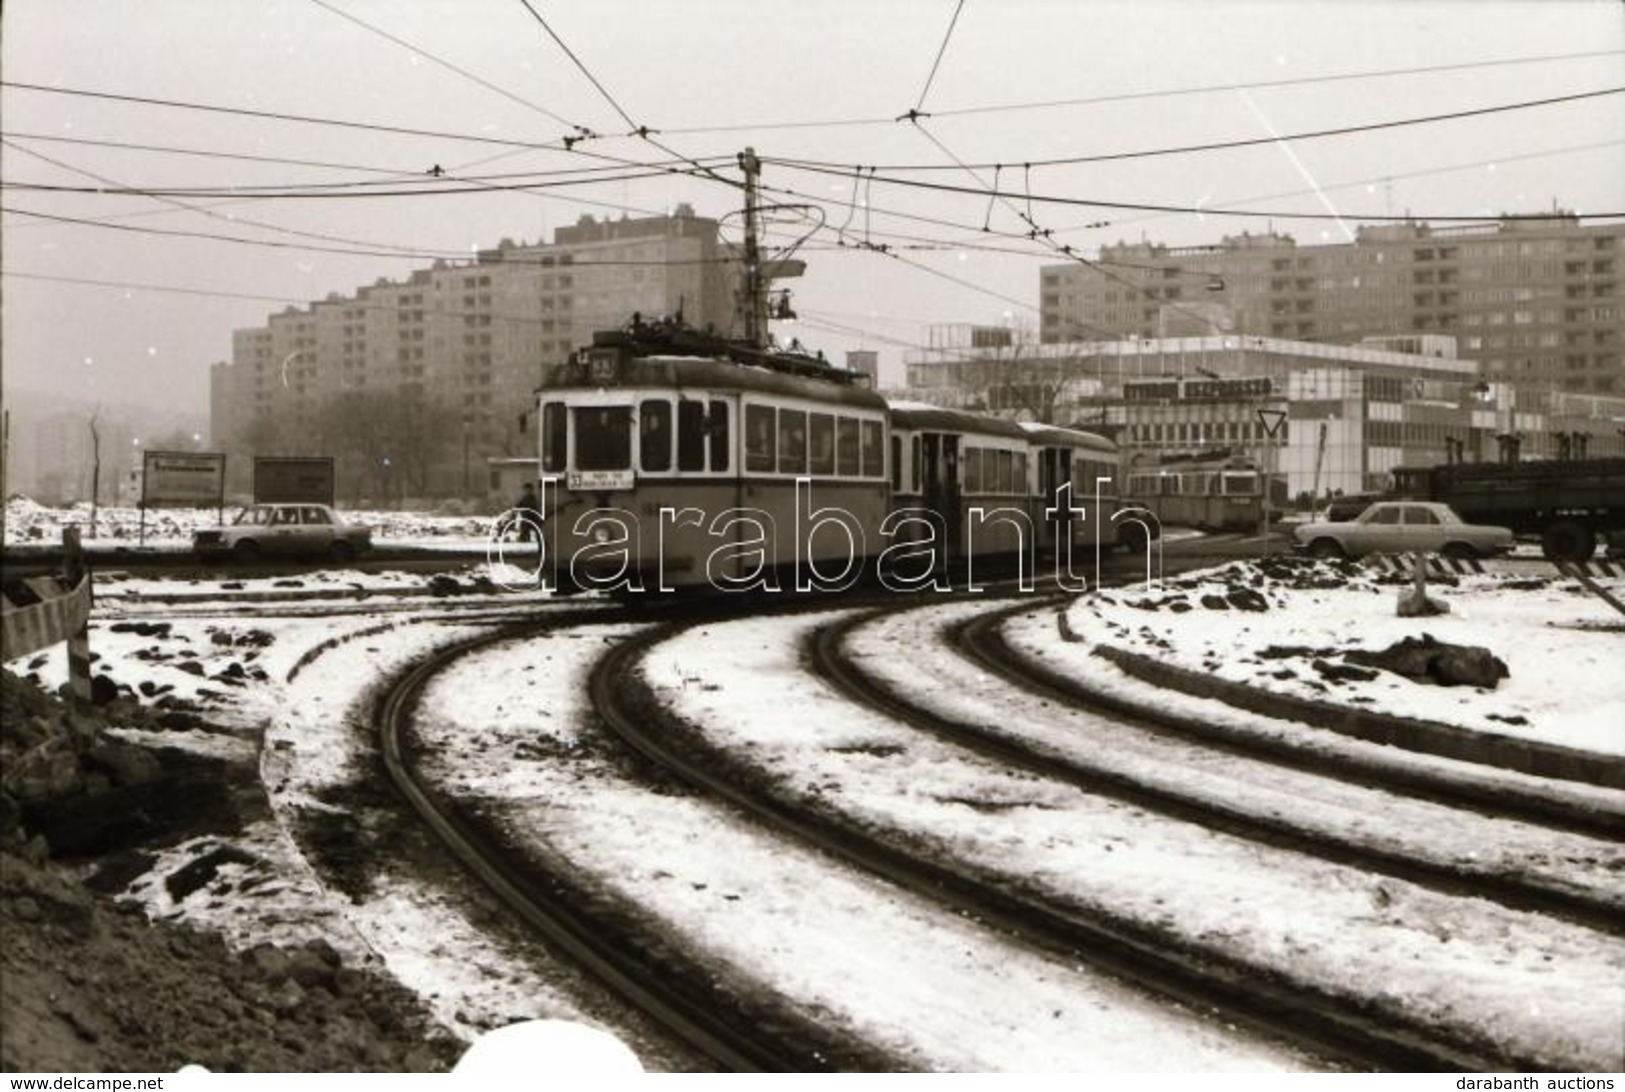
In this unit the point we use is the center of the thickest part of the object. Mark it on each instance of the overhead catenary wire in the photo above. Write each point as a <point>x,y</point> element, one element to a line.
<point>918,242</point>
<point>302,305</point>
<point>585,71</point>
<point>839,169</point>
<point>1225,145</point>
<point>274,115</point>
<point>324,193</point>
<point>959,6</point>
<point>1387,176</point>
<point>465,73</point>
<point>1037,233</point>
<point>200,210</point>
<point>993,194</point>
<point>1201,209</point>
<point>643,132</point>
<point>208,153</point>
<point>360,251</point>
<point>983,229</point>
<point>1132,96</point>
<point>453,174</point>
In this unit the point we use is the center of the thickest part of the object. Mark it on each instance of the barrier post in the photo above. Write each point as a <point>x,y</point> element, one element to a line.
<point>78,641</point>
<point>1577,570</point>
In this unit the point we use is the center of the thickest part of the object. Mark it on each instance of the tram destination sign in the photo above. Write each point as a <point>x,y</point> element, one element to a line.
<point>182,478</point>
<point>599,481</point>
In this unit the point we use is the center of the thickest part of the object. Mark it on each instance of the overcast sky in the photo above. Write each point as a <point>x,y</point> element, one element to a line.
<point>699,72</point>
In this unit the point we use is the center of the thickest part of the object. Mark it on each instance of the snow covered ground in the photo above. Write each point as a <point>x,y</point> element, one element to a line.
<point>884,965</point>
<point>286,667</point>
<point>28,523</point>
<point>1416,953</point>
<point>931,675</point>
<point>1562,645</point>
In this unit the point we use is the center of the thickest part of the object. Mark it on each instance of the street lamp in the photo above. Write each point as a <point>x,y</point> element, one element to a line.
<point>465,454</point>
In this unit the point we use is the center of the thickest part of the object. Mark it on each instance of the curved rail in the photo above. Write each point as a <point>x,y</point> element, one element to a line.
<point>1327,1025</point>
<point>984,644</point>
<point>733,1040</point>
<point>825,651</point>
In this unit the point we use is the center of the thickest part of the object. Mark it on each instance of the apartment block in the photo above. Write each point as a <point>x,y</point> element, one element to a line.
<point>1534,301</point>
<point>414,384</point>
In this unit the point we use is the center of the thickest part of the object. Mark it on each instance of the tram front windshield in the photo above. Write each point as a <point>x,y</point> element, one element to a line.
<point>603,436</point>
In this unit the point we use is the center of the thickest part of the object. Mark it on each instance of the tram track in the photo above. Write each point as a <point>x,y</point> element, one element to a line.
<point>603,939</point>
<point>973,639</point>
<point>981,641</point>
<point>1348,1029</point>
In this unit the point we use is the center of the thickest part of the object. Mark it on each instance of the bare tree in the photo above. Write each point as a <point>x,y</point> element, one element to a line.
<point>385,441</point>
<point>1012,373</point>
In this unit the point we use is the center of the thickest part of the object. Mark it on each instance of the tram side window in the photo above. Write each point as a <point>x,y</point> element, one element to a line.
<point>792,442</point>
<point>896,463</point>
<point>1093,472</point>
<point>717,427</point>
<point>603,437</point>
<point>846,447</point>
<point>553,437</point>
<point>874,451</point>
<point>690,435</point>
<point>759,438</point>
<point>973,470</point>
<point>821,440</point>
<point>914,462</point>
<point>654,435</point>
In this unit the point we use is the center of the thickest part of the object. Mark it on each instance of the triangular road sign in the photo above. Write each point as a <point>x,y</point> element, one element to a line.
<point>1271,419</point>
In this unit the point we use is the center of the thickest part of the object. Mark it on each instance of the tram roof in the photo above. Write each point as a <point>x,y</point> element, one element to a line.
<point>1057,436</point>
<point>919,416</point>
<point>711,374</point>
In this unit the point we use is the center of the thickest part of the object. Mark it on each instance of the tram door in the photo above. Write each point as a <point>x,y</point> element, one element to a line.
<point>939,486</point>
<point>1054,471</point>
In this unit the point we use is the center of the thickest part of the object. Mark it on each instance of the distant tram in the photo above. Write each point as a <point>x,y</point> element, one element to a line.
<point>1221,493</point>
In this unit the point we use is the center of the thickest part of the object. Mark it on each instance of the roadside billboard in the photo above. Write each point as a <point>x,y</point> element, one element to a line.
<point>293,480</point>
<point>185,478</point>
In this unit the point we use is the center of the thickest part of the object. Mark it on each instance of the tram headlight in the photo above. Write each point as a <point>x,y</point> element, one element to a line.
<point>600,535</point>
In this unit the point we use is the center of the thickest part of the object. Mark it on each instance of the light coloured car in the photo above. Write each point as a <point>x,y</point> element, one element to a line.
<point>305,530</point>
<point>1394,527</point>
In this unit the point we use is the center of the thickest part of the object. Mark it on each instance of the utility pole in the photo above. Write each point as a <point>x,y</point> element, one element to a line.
<point>755,296</point>
<point>5,467</point>
<point>95,472</point>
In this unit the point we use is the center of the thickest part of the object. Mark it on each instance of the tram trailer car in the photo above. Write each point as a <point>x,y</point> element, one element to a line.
<point>969,472</point>
<point>674,470</point>
<point>1094,467</point>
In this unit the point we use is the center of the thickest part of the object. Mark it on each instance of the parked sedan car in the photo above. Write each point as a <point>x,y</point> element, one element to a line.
<point>286,529</point>
<point>1403,527</point>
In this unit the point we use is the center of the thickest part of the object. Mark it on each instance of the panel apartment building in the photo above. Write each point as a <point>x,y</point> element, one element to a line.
<point>414,384</point>
<point>1534,301</point>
